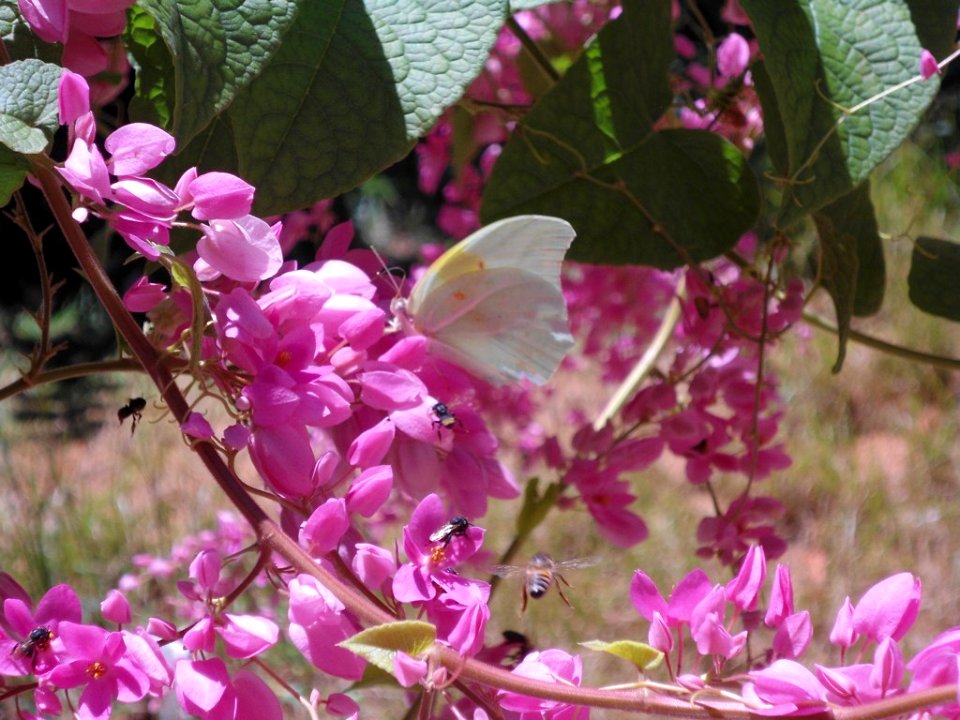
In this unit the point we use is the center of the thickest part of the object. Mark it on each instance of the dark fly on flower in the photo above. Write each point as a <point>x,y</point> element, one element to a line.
<point>443,418</point>
<point>38,640</point>
<point>458,525</point>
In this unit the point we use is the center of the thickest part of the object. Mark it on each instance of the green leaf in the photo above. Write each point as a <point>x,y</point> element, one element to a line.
<point>155,83</point>
<point>934,279</point>
<point>640,654</point>
<point>518,5</point>
<point>852,267</point>
<point>379,645</point>
<point>822,56</point>
<point>588,152</point>
<point>774,132</point>
<point>215,50</point>
<point>28,104</point>
<point>348,93</point>
<point>13,171</point>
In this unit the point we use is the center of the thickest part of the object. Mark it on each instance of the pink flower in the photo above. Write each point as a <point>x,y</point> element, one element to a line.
<point>928,65</point>
<point>744,589</point>
<point>318,622</point>
<point>219,195</point>
<point>73,97</point>
<point>197,426</point>
<point>245,249</point>
<point>793,635</point>
<point>554,666</point>
<point>321,533</point>
<point>115,608</point>
<point>205,690</point>
<point>96,659</point>
<point>889,608</point>
<point>781,598</point>
<point>733,55</point>
<point>144,295</point>
<point>136,148</point>
<point>370,490</point>
<point>59,604</point>
<point>244,636</point>
<point>460,612</point>
<point>843,633</point>
<point>789,688</point>
<point>427,558</point>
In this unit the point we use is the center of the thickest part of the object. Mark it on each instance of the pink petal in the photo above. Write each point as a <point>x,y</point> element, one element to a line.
<point>201,684</point>
<point>245,249</point>
<point>889,608</point>
<point>246,636</point>
<point>220,195</point>
<point>321,533</point>
<point>137,147</point>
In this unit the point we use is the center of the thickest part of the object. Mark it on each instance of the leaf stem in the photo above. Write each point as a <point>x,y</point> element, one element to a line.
<point>899,351</point>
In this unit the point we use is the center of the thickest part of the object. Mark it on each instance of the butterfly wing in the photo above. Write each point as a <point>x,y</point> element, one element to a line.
<point>493,304</point>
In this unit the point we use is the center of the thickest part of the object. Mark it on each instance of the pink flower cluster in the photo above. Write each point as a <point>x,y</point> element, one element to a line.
<point>783,686</point>
<point>87,30</point>
<point>51,643</point>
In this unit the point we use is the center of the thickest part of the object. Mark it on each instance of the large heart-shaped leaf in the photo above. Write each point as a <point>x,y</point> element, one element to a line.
<point>28,104</point>
<point>349,90</point>
<point>825,59</point>
<point>588,152</point>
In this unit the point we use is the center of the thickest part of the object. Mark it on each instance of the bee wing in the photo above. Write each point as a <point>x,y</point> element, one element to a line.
<point>508,570</point>
<point>441,534</point>
<point>576,563</point>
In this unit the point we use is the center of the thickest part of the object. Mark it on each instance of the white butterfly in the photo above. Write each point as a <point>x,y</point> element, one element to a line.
<point>492,303</point>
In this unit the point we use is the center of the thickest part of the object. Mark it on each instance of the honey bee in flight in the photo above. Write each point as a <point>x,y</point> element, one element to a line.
<point>540,573</point>
<point>458,525</point>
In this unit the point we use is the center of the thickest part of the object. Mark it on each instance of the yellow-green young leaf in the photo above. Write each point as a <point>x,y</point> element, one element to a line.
<point>640,654</point>
<point>379,645</point>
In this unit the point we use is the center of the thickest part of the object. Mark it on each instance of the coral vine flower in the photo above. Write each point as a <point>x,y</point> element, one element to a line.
<point>97,660</point>
<point>59,604</point>
<point>550,666</point>
<point>414,580</point>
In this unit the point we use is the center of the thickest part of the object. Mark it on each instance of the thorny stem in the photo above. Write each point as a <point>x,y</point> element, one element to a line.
<point>272,538</point>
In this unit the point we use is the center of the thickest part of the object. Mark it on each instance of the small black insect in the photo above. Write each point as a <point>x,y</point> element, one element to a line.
<point>38,639</point>
<point>444,418</point>
<point>458,525</point>
<point>133,409</point>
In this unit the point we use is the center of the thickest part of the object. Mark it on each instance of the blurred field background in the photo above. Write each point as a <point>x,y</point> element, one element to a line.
<point>874,488</point>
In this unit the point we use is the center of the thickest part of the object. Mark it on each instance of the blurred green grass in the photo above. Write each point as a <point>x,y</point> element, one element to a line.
<point>873,489</point>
